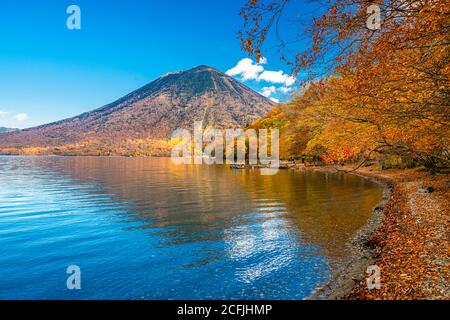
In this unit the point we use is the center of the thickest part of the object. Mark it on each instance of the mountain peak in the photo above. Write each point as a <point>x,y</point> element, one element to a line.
<point>194,82</point>
<point>204,68</point>
<point>174,100</point>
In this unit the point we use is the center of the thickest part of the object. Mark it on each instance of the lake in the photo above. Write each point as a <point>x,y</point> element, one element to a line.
<point>145,228</point>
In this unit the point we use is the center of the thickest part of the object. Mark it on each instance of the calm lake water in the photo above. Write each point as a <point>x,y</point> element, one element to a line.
<point>148,229</point>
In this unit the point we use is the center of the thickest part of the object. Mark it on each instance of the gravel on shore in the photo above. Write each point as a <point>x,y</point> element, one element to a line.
<point>407,238</point>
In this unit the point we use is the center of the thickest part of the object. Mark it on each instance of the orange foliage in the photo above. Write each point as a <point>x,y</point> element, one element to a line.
<point>389,93</point>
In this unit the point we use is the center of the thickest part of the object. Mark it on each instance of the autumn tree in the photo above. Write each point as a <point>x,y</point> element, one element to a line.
<point>381,92</point>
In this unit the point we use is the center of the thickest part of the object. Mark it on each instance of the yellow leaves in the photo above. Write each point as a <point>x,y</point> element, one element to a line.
<point>390,90</point>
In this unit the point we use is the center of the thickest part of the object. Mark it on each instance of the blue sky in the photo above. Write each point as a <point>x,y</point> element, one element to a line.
<point>48,72</point>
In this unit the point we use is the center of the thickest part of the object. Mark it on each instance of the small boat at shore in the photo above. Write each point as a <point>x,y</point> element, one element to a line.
<point>282,165</point>
<point>237,166</point>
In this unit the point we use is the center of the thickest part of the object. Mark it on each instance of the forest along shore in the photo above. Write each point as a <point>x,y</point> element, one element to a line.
<point>411,243</point>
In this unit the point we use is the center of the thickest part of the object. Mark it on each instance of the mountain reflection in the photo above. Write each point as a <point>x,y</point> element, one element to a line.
<point>238,233</point>
<point>198,203</point>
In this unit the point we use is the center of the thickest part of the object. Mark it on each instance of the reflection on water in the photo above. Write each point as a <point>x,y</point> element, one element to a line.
<point>148,229</point>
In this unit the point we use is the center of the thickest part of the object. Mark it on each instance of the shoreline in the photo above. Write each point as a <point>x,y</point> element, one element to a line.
<point>343,282</point>
<point>400,238</point>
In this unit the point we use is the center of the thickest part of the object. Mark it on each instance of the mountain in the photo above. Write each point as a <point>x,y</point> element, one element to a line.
<point>142,121</point>
<point>3,129</point>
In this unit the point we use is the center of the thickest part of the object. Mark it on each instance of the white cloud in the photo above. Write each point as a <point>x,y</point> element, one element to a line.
<point>4,114</point>
<point>262,60</point>
<point>21,117</point>
<point>268,91</point>
<point>277,77</point>
<point>286,89</point>
<point>247,69</point>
